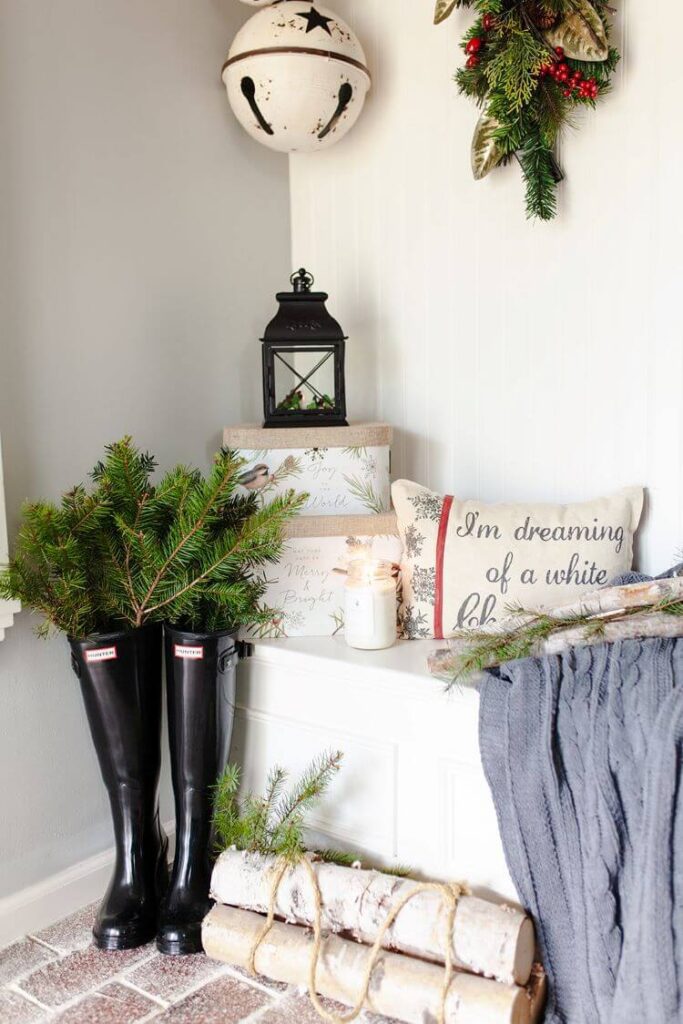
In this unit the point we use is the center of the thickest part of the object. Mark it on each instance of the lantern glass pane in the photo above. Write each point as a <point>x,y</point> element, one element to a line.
<point>304,379</point>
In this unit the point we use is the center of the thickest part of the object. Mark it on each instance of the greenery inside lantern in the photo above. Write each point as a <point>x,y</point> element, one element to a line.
<point>303,360</point>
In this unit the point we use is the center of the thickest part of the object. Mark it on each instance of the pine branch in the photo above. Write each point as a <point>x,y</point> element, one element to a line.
<point>259,541</point>
<point>600,70</point>
<point>226,469</point>
<point>551,112</point>
<point>514,70</point>
<point>537,163</point>
<point>226,817</point>
<point>131,552</point>
<point>482,650</point>
<point>270,824</point>
<point>308,790</point>
<point>517,75</point>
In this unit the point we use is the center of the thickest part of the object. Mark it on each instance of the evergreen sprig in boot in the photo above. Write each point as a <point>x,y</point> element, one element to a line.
<point>120,677</point>
<point>200,688</point>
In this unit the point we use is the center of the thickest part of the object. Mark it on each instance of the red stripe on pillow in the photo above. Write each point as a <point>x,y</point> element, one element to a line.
<point>440,549</point>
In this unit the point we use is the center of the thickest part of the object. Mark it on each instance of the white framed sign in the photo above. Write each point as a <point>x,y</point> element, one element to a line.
<point>305,589</point>
<point>8,609</point>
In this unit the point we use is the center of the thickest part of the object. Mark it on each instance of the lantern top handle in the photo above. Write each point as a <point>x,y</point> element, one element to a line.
<point>302,281</point>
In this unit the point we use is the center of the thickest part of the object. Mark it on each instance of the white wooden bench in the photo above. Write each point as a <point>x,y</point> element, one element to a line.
<point>412,789</point>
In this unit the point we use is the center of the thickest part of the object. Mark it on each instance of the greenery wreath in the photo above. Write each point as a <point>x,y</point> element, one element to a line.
<point>530,64</point>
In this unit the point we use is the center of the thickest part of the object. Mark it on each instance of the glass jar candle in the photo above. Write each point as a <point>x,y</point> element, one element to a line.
<point>370,605</point>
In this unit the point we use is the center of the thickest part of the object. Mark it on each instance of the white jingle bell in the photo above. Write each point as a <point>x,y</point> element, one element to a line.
<point>296,76</point>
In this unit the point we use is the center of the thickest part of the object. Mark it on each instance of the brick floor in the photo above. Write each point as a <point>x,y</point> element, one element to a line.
<point>62,980</point>
<point>170,977</point>
<point>259,979</point>
<point>74,932</point>
<point>22,958</point>
<point>112,1004</point>
<point>16,1009</point>
<point>226,1000</point>
<point>298,1009</point>
<point>58,977</point>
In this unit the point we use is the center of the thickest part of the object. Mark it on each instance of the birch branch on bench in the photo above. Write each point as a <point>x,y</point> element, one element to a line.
<point>614,599</point>
<point>636,627</point>
<point>633,611</point>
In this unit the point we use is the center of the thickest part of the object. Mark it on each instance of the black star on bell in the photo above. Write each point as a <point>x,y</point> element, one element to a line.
<point>315,20</point>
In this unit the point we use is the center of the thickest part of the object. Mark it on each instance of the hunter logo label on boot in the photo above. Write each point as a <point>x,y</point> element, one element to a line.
<point>101,654</point>
<point>191,653</point>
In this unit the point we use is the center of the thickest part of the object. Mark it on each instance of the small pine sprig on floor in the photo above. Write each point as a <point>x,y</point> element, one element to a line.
<point>530,64</point>
<point>272,824</point>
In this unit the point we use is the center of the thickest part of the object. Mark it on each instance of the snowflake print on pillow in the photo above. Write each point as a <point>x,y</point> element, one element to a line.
<point>465,562</point>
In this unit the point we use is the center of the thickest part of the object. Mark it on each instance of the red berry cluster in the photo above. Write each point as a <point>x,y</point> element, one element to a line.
<point>475,44</point>
<point>573,81</point>
<point>473,47</point>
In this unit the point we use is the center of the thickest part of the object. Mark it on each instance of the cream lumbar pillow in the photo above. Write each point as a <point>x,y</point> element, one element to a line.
<point>465,562</point>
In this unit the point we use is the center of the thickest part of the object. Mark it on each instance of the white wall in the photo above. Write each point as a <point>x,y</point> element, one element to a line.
<point>517,360</point>
<point>142,237</point>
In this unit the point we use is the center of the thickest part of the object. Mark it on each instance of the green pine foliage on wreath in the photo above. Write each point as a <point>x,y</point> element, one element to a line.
<point>530,64</point>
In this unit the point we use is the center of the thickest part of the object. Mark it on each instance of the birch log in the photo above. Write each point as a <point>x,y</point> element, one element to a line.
<point>401,987</point>
<point>613,599</point>
<point>642,626</point>
<point>600,605</point>
<point>646,625</point>
<point>443,663</point>
<point>496,941</point>
<point>537,990</point>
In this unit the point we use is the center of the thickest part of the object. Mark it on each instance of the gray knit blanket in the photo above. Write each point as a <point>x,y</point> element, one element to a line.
<point>583,755</point>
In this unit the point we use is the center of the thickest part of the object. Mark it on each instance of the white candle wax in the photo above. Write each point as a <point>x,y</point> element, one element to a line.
<point>370,606</point>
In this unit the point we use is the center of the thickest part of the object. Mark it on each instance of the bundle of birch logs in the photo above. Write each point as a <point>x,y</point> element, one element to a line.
<point>495,980</point>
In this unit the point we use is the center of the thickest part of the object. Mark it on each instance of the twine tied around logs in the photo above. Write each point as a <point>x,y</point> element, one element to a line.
<point>450,893</point>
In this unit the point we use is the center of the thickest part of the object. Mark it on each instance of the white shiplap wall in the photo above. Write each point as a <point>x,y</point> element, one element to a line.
<point>516,360</point>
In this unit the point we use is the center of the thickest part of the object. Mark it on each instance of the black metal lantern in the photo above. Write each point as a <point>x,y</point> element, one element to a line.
<point>303,361</point>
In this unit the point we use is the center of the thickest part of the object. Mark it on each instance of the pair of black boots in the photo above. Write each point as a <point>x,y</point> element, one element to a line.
<point>120,677</point>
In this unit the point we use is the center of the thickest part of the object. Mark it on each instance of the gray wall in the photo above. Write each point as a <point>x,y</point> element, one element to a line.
<point>142,236</point>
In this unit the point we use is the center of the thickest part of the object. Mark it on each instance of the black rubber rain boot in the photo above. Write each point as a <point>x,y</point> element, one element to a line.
<point>120,676</point>
<point>200,686</point>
